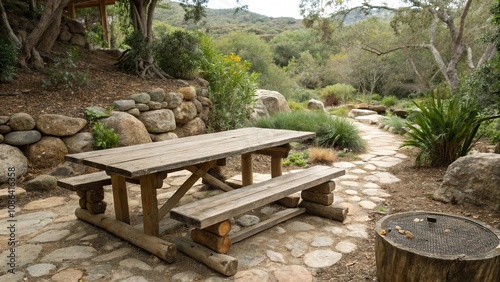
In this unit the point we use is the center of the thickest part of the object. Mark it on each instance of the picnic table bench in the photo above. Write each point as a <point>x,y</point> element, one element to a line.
<point>149,164</point>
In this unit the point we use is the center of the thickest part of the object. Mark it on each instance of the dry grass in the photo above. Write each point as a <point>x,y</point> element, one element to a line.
<point>321,156</point>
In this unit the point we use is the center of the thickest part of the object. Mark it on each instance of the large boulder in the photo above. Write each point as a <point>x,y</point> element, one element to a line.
<point>185,112</point>
<point>46,153</point>
<point>59,125</point>
<point>80,142</point>
<point>473,179</point>
<point>12,160</point>
<point>21,121</point>
<point>314,105</point>
<point>360,112</point>
<point>193,127</point>
<point>158,121</point>
<point>273,101</point>
<point>131,130</point>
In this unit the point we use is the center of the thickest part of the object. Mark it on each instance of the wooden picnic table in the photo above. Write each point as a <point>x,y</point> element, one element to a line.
<point>150,163</point>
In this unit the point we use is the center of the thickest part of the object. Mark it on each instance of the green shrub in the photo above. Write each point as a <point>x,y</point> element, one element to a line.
<point>298,159</point>
<point>330,132</point>
<point>95,36</point>
<point>389,101</point>
<point>297,106</point>
<point>333,94</point>
<point>232,87</point>
<point>178,54</point>
<point>395,122</point>
<point>139,49</point>
<point>63,73</point>
<point>340,111</point>
<point>342,134</point>
<point>295,120</point>
<point>8,60</point>
<point>445,129</point>
<point>490,130</point>
<point>104,138</point>
<point>376,97</point>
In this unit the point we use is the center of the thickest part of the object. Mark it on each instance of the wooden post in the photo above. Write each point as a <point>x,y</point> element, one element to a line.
<point>158,247</point>
<point>71,10</point>
<point>104,22</point>
<point>221,263</point>
<point>220,244</point>
<point>331,212</point>
<point>150,205</point>
<point>276,166</point>
<point>120,198</point>
<point>246,169</point>
<point>220,229</point>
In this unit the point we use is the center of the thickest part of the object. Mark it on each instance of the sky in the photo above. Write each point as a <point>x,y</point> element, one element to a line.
<point>271,8</point>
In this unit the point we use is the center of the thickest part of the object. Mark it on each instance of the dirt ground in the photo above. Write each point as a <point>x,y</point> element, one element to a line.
<point>106,84</point>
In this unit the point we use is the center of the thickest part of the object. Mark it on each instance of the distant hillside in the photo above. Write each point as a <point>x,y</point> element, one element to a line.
<point>223,21</point>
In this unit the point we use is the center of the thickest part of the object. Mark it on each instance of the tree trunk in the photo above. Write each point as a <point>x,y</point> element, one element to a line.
<point>5,23</point>
<point>53,10</point>
<point>50,35</point>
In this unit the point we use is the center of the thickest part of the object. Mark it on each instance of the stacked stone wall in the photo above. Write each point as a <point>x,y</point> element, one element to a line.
<point>143,117</point>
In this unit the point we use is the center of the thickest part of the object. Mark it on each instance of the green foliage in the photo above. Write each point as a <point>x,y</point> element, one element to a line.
<point>484,84</point>
<point>8,60</point>
<point>178,54</point>
<point>306,71</point>
<point>342,134</point>
<point>389,101</point>
<point>445,129</point>
<point>232,87</point>
<point>104,138</point>
<point>490,130</point>
<point>395,122</point>
<point>330,132</point>
<point>340,111</point>
<point>94,116</point>
<point>297,106</point>
<point>63,73</point>
<point>376,97</point>
<point>339,91</point>
<point>298,159</point>
<point>138,50</point>
<point>95,36</point>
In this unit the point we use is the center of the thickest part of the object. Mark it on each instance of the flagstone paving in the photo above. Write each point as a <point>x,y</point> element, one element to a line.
<point>53,245</point>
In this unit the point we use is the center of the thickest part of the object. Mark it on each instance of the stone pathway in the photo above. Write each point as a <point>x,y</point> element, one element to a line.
<point>52,245</point>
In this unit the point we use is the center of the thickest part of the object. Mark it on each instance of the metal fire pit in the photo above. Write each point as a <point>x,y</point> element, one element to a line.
<point>428,246</point>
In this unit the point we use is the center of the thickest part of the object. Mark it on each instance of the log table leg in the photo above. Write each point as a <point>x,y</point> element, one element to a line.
<point>276,166</point>
<point>120,198</point>
<point>151,217</point>
<point>246,169</point>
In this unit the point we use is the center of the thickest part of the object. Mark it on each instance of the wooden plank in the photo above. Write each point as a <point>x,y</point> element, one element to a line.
<point>120,198</point>
<point>158,247</point>
<point>151,218</point>
<point>279,151</point>
<point>221,263</point>
<point>85,181</point>
<point>211,210</point>
<point>209,178</point>
<point>182,190</point>
<point>246,170</point>
<point>133,161</point>
<point>275,219</point>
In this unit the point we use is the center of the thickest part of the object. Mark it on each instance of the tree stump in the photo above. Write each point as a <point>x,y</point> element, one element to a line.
<point>426,246</point>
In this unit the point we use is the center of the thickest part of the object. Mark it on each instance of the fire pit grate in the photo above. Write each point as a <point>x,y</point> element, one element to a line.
<point>441,234</point>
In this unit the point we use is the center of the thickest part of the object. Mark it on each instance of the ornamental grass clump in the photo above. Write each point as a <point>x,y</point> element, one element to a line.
<point>444,130</point>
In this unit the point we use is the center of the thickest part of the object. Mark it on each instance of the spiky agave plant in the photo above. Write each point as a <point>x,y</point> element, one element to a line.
<point>444,130</point>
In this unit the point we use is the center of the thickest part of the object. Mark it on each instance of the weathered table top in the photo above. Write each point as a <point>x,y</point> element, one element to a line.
<point>144,159</point>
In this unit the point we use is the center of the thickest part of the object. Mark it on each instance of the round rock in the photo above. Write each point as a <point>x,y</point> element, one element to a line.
<point>188,92</point>
<point>157,95</point>
<point>46,153</point>
<point>41,183</point>
<point>59,125</point>
<point>142,98</point>
<point>20,138</point>
<point>322,258</point>
<point>123,105</point>
<point>21,122</point>
<point>4,129</point>
<point>158,121</point>
<point>12,157</point>
<point>80,142</point>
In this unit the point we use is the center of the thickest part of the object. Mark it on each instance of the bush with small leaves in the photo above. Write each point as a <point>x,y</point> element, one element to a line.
<point>333,94</point>
<point>179,54</point>
<point>389,101</point>
<point>8,60</point>
<point>64,73</point>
